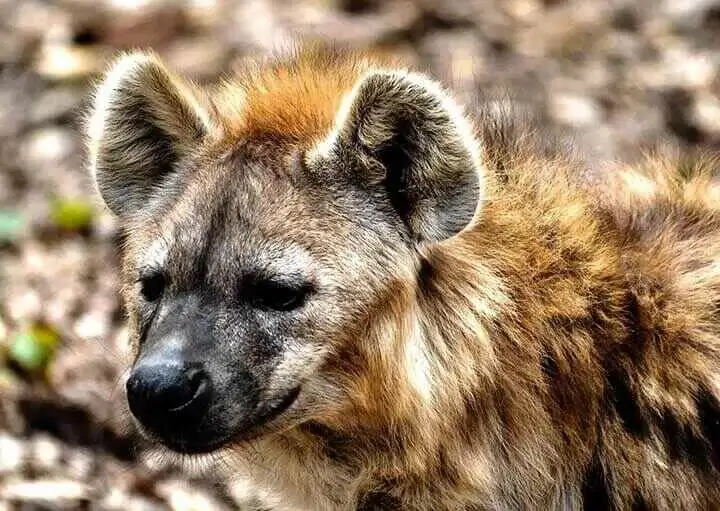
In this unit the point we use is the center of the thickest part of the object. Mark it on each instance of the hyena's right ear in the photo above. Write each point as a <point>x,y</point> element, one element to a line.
<point>143,120</point>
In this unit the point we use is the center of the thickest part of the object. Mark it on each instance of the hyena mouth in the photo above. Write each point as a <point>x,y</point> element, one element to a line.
<point>201,439</point>
<point>276,409</point>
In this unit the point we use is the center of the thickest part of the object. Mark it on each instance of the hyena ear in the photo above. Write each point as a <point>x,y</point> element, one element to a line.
<point>429,158</point>
<point>143,120</point>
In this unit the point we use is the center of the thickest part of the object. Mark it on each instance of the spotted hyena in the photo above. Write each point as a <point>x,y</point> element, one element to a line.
<point>362,296</point>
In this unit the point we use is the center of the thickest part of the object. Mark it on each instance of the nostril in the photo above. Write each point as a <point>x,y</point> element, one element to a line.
<point>159,392</point>
<point>198,386</point>
<point>180,390</point>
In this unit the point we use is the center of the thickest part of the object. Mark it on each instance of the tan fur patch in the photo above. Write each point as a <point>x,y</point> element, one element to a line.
<point>293,98</point>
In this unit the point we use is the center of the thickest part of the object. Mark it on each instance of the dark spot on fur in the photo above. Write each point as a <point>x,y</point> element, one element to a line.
<point>698,446</point>
<point>378,501</point>
<point>639,504</point>
<point>425,275</point>
<point>596,489</point>
<point>624,400</point>
<point>709,412</point>
<point>636,322</point>
<point>549,366</point>
<point>682,443</point>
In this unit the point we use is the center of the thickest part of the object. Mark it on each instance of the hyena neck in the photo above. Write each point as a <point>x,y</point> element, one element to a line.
<point>496,310</point>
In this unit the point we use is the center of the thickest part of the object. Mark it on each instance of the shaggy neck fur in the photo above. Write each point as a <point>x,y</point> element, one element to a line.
<point>500,334</point>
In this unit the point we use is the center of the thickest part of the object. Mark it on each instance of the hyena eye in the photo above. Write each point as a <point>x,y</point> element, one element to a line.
<point>152,286</point>
<point>280,296</point>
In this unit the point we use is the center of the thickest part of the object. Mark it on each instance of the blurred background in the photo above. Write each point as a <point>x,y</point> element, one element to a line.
<point>619,75</point>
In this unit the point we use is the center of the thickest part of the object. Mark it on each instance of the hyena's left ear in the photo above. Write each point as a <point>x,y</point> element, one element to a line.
<point>405,125</point>
<point>143,120</point>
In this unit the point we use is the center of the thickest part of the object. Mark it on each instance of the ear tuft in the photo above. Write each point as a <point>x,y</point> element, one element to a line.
<point>430,158</point>
<point>142,121</point>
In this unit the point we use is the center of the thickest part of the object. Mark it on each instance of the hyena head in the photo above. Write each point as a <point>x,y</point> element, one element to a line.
<point>270,225</point>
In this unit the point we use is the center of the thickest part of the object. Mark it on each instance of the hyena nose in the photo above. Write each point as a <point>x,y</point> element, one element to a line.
<point>166,391</point>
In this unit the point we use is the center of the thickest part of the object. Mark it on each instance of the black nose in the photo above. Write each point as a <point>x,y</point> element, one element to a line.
<point>162,392</point>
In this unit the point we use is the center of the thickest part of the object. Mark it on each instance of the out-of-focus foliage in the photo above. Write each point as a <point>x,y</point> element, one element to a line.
<point>72,214</point>
<point>11,225</point>
<point>32,349</point>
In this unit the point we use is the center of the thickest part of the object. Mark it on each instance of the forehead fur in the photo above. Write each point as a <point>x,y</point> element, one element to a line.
<point>295,97</point>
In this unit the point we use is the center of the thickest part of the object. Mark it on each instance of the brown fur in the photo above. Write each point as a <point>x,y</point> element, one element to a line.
<point>570,339</point>
<point>295,99</point>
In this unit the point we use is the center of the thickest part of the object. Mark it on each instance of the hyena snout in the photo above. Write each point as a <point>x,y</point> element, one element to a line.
<point>167,390</point>
<point>199,383</point>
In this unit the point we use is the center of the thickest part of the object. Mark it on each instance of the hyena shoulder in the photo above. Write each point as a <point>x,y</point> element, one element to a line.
<point>621,306</point>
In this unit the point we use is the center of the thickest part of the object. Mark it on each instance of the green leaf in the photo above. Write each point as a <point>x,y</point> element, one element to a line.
<point>72,214</point>
<point>34,348</point>
<point>11,224</point>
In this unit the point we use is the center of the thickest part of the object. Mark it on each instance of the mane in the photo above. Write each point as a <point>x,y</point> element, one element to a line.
<point>293,96</point>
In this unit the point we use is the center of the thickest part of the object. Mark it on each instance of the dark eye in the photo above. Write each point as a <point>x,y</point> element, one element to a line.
<point>152,286</point>
<point>280,296</point>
